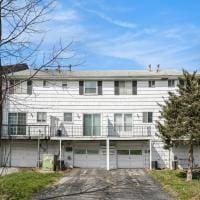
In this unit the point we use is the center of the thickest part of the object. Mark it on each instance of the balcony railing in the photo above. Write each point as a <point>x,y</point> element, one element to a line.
<point>75,131</point>
<point>101,131</point>
<point>25,130</point>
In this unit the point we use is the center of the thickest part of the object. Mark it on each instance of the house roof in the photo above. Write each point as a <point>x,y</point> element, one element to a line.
<point>99,74</point>
<point>6,69</point>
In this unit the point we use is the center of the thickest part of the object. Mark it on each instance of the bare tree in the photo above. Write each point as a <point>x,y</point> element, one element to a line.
<point>20,22</point>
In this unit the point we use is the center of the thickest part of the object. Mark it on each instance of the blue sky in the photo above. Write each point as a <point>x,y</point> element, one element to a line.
<point>129,34</point>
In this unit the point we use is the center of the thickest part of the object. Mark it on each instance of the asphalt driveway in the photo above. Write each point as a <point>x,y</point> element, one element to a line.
<point>90,184</point>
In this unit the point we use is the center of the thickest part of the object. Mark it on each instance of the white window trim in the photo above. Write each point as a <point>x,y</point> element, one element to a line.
<point>171,85</point>
<point>151,84</point>
<point>90,94</point>
<point>123,113</point>
<point>68,122</point>
<point>147,117</point>
<point>44,122</point>
<point>101,120</point>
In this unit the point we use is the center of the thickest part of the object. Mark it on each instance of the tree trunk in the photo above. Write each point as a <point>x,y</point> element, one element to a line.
<point>190,161</point>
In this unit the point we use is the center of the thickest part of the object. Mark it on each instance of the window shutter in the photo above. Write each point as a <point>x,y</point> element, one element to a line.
<point>116,87</point>
<point>11,87</point>
<point>81,87</point>
<point>134,87</point>
<point>150,117</point>
<point>29,87</point>
<point>99,87</point>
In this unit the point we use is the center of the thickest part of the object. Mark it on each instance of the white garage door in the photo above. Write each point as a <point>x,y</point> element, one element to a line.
<point>87,158</point>
<point>129,158</point>
<point>24,155</point>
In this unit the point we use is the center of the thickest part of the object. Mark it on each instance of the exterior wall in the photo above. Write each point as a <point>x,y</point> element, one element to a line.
<point>55,101</point>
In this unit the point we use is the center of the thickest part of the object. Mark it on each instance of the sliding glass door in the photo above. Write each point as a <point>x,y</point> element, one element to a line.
<point>92,124</point>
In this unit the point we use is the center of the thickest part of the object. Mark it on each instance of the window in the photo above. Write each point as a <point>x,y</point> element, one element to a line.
<point>90,87</point>
<point>125,87</point>
<point>45,83</point>
<point>41,116</point>
<point>80,151</point>
<point>152,83</point>
<point>181,82</point>
<point>91,124</point>
<point>17,87</point>
<point>68,117</point>
<point>64,84</point>
<point>17,123</point>
<point>92,151</point>
<point>135,152</point>
<point>122,122</point>
<point>147,117</point>
<point>171,83</point>
<point>122,152</point>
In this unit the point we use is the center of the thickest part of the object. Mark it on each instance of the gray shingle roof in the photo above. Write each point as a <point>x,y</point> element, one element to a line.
<point>100,74</point>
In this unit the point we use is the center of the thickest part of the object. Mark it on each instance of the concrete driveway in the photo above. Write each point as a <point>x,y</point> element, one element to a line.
<point>89,184</point>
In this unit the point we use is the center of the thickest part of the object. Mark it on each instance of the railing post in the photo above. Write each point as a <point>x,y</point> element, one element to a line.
<point>29,131</point>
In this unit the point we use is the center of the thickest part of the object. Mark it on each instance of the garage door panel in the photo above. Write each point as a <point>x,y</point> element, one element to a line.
<point>87,158</point>
<point>23,155</point>
<point>130,158</point>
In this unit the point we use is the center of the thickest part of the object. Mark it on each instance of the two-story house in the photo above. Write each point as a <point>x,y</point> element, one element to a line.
<point>90,119</point>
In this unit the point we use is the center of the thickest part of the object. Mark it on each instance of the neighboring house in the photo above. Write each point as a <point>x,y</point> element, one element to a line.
<point>91,119</point>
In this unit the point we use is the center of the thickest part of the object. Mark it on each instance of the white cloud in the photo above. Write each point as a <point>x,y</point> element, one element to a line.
<point>123,24</point>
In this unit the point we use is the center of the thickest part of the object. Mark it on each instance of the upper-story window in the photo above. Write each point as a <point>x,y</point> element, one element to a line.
<point>147,117</point>
<point>171,83</point>
<point>64,84</point>
<point>20,87</point>
<point>90,87</point>
<point>46,83</point>
<point>41,116</point>
<point>152,83</point>
<point>125,87</point>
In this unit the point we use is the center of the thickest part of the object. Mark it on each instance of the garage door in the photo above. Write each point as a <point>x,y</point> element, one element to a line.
<point>24,155</point>
<point>130,158</point>
<point>87,158</point>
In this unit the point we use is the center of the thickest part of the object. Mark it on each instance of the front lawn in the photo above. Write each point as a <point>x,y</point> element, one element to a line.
<point>175,182</point>
<point>22,185</point>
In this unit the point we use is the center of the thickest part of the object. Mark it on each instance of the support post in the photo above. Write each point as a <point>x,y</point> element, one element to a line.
<point>150,154</point>
<point>108,154</point>
<point>60,157</point>
<point>38,156</point>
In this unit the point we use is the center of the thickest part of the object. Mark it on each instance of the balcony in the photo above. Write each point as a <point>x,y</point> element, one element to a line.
<point>72,131</point>
<point>25,131</point>
<point>101,131</point>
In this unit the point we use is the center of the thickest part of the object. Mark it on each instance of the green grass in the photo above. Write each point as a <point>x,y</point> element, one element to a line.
<point>22,185</point>
<point>175,182</point>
